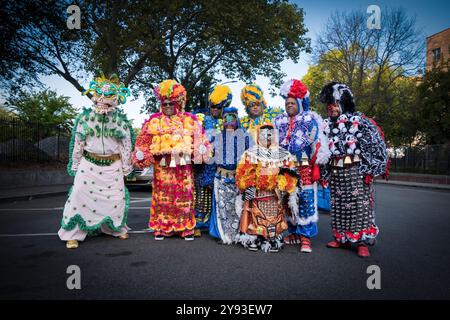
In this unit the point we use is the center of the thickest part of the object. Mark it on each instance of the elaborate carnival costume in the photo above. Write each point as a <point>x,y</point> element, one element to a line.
<point>265,175</point>
<point>229,146</point>
<point>100,148</point>
<point>170,142</point>
<point>300,132</point>
<point>358,153</point>
<point>252,94</point>
<point>219,99</point>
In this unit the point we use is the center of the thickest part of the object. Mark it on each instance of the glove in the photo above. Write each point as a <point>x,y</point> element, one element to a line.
<point>249,194</point>
<point>139,155</point>
<point>315,173</point>
<point>368,179</point>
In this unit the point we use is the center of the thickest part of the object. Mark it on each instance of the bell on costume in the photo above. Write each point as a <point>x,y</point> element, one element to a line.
<point>187,158</point>
<point>173,163</point>
<point>304,159</point>
<point>347,160</point>
<point>182,161</point>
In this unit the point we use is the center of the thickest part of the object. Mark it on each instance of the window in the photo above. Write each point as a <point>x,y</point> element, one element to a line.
<point>436,54</point>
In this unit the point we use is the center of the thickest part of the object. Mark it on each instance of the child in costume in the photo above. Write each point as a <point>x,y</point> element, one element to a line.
<point>266,176</point>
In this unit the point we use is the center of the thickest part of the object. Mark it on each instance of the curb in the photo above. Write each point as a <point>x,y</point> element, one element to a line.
<point>436,186</point>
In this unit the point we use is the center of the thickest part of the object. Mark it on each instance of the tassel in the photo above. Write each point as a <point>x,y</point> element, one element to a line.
<point>340,163</point>
<point>163,162</point>
<point>182,161</point>
<point>347,160</point>
<point>356,158</point>
<point>187,158</point>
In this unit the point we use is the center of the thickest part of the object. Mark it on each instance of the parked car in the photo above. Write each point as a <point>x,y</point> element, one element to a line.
<point>140,177</point>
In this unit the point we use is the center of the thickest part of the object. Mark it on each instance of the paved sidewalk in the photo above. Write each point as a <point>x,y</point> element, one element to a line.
<point>28,193</point>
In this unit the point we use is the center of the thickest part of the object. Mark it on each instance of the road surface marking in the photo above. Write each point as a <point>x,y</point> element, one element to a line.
<point>6,235</point>
<point>59,208</point>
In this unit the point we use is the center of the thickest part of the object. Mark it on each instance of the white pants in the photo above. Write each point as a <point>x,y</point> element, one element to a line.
<point>80,235</point>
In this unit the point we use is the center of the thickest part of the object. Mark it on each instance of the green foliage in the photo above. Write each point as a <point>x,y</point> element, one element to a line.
<point>396,107</point>
<point>6,114</point>
<point>193,42</point>
<point>380,66</point>
<point>44,108</point>
<point>433,107</point>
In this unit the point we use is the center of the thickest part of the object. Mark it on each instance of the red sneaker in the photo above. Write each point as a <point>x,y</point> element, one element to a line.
<point>363,251</point>
<point>305,245</point>
<point>336,244</point>
<point>291,239</point>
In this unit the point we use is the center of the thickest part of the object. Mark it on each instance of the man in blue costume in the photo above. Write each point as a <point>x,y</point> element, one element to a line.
<point>219,99</point>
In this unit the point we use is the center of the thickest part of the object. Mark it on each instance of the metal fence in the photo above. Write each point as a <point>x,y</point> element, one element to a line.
<point>429,159</point>
<point>32,142</point>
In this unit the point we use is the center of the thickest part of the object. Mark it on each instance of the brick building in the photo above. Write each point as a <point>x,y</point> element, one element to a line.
<point>438,50</point>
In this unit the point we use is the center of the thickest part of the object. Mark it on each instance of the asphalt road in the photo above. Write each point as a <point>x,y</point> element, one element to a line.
<point>412,253</point>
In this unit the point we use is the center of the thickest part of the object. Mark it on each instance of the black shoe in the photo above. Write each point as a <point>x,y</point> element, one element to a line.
<point>252,247</point>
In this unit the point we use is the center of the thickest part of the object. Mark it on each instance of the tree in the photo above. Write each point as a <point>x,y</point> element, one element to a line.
<point>433,107</point>
<point>378,65</point>
<point>192,42</point>
<point>6,114</point>
<point>394,51</point>
<point>45,108</point>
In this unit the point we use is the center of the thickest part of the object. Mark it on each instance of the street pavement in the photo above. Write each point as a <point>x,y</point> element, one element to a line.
<point>412,253</point>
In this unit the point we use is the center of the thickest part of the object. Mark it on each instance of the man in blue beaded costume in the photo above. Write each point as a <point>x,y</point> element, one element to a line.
<point>100,157</point>
<point>219,99</point>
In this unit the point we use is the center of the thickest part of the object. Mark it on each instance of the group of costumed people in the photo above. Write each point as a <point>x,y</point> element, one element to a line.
<point>250,180</point>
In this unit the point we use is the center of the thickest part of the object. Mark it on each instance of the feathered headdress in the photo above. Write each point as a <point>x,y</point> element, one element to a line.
<point>252,93</point>
<point>340,93</point>
<point>296,89</point>
<point>221,96</point>
<point>173,91</point>
<point>108,87</point>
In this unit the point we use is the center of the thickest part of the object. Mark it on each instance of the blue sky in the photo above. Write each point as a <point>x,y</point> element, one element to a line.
<point>432,16</point>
